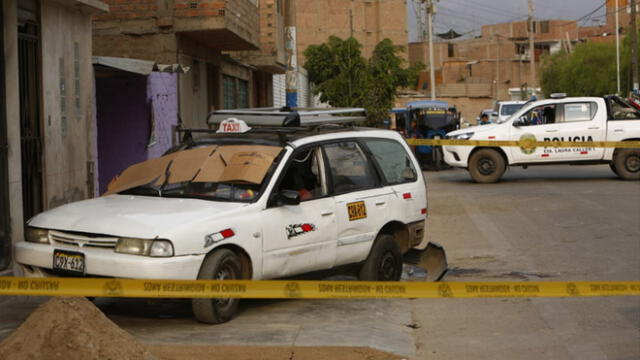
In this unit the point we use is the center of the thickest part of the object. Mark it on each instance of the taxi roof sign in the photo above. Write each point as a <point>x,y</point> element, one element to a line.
<point>285,117</point>
<point>233,125</point>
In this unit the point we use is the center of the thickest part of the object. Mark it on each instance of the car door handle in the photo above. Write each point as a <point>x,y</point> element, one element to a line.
<point>594,128</point>
<point>326,212</point>
<point>380,203</point>
<point>618,130</point>
<point>551,130</point>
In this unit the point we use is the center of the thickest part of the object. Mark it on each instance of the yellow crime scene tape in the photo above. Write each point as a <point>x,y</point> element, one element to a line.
<point>526,143</point>
<point>283,289</point>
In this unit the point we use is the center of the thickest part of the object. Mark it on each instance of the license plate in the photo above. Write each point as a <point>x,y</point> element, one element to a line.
<point>68,261</point>
<point>356,210</point>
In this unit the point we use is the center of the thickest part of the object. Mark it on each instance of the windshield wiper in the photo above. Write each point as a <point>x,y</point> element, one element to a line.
<point>147,190</point>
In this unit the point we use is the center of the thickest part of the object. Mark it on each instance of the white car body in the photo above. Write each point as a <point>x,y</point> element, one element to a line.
<point>260,230</point>
<point>599,128</point>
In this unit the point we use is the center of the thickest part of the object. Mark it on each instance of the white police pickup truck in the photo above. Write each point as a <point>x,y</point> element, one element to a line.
<point>245,203</point>
<point>560,118</point>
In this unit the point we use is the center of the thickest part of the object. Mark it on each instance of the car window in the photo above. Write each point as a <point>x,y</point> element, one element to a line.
<point>305,175</point>
<point>541,115</point>
<point>350,169</point>
<point>584,111</point>
<point>620,110</point>
<point>510,109</point>
<point>395,163</point>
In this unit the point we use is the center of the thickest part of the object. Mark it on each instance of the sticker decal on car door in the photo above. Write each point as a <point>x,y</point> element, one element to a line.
<point>356,210</point>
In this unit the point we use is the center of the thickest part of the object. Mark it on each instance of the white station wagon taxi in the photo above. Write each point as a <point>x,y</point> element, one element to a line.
<point>249,203</point>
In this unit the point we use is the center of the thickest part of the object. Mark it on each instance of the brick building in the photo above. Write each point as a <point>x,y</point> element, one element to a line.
<point>606,31</point>
<point>369,21</point>
<point>472,73</point>
<point>231,47</point>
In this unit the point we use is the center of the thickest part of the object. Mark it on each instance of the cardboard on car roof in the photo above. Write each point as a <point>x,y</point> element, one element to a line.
<point>233,163</point>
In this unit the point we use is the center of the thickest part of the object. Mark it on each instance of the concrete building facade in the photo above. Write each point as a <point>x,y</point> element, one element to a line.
<point>46,112</point>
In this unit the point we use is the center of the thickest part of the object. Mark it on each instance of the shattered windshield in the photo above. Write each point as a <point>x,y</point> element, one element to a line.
<point>226,173</point>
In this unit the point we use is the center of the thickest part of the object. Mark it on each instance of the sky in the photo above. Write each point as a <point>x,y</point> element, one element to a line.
<point>467,16</point>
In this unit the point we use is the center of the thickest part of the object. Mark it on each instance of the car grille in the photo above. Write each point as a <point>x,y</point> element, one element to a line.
<point>84,240</point>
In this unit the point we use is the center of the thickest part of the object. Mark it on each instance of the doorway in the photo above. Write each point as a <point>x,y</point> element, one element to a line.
<point>5,238</point>
<point>30,107</point>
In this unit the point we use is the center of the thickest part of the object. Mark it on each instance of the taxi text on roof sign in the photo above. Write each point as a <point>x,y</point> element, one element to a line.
<point>233,125</point>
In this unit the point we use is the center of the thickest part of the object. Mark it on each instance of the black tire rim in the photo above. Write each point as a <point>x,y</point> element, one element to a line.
<point>387,268</point>
<point>632,162</point>
<point>486,166</point>
<point>225,272</point>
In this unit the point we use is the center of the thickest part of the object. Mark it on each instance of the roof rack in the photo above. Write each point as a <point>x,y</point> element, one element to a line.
<point>288,117</point>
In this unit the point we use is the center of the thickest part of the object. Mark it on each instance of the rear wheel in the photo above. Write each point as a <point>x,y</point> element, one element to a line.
<point>221,264</point>
<point>626,163</point>
<point>486,166</point>
<point>384,262</point>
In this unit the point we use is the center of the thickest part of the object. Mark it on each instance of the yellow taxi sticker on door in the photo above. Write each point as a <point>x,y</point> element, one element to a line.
<point>357,210</point>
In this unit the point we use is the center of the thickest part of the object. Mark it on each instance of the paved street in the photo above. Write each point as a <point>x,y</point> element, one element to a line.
<point>546,223</point>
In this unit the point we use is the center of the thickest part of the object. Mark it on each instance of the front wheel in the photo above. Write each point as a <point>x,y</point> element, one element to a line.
<point>626,163</point>
<point>486,166</point>
<point>384,262</point>
<point>221,264</point>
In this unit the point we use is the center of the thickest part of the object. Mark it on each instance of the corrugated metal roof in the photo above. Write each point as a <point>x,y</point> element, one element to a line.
<point>143,67</point>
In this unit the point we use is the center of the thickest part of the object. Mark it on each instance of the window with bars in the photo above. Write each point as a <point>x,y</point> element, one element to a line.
<point>235,92</point>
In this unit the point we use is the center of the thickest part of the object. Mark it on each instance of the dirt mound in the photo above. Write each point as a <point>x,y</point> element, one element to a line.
<point>70,329</point>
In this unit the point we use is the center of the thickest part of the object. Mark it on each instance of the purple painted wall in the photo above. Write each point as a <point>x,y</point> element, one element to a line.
<point>123,124</point>
<point>162,92</point>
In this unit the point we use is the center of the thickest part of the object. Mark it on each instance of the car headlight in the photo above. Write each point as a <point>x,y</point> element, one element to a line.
<point>144,247</point>
<point>35,235</point>
<point>463,136</point>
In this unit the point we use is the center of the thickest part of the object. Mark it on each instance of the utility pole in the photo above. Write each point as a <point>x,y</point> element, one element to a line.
<point>634,46</point>
<point>291,76</point>
<point>532,51</point>
<point>617,49</point>
<point>432,75</point>
<point>497,37</point>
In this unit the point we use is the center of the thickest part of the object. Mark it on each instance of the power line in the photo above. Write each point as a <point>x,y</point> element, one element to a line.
<point>480,6</point>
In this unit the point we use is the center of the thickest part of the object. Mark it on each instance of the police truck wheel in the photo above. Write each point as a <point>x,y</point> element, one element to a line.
<point>626,163</point>
<point>613,168</point>
<point>486,166</point>
<point>221,264</point>
<point>384,262</point>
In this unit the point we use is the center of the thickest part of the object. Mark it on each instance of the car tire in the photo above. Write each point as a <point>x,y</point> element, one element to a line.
<point>222,264</point>
<point>613,168</point>
<point>626,163</point>
<point>384,262</point>
<point>486,166</point>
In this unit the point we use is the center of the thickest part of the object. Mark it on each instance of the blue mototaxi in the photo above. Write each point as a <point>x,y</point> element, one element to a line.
<point>430,119</point>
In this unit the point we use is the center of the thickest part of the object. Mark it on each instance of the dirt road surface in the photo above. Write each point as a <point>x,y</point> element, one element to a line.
<point>558,223</point>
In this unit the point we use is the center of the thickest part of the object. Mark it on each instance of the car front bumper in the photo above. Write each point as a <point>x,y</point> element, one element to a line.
<point>36,260</point>
<point>456,155</point>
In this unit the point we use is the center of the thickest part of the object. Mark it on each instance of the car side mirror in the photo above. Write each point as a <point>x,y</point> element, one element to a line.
<point>495,113</point>
<point>289,197</point>
<point>520,122</point>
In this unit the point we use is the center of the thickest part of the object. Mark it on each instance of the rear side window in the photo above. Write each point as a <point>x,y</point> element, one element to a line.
<point>579,111</point>
<point>395,163</point>
<point>350,169</point>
